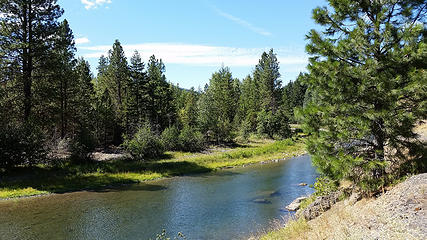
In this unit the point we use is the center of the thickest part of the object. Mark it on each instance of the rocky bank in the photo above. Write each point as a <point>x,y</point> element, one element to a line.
<point>400,213</point>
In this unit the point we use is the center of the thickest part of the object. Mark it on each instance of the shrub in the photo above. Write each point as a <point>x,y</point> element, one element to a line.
<point>170,138</point>
<point>20,145</point>
<point>145,143</point>
<point>191,140</point>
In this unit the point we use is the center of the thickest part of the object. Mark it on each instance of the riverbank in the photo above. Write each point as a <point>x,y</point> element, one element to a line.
<point>400,213</point>
<point>66,176</point>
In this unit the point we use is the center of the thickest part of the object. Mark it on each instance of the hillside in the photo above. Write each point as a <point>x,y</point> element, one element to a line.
<point>400,213</point>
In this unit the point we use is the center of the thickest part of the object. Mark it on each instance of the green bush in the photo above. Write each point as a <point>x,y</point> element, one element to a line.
<point>145,144</point>
<point>191,140</point>
<point>170,138</point>
<point>21,145</point>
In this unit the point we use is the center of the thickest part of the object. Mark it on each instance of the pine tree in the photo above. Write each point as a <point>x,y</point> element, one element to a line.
<point>294,94</point>
<point>138,99</point>
<point>187,112</point>
<point>249,105</point>
<point>83,95</point>
<point>161,109</point>
<point>267,77</point>
<point>368,86</point>
<point>115,79</point>
<point>27,37</point>
<point>64,78</point>
<point>218,106</point>
<point>82,111</point>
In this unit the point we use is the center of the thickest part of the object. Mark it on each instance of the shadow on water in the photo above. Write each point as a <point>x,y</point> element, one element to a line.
<point>133,187</point>
<point>275,194</point>
<point>261,201</point>
<point>94,176</point>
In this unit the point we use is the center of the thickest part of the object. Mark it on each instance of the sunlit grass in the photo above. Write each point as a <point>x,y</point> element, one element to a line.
<point>292,230</point>
<point>19,192</point>
<point>67,177</point>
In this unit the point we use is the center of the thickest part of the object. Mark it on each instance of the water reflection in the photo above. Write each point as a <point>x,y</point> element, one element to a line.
<point>228,204</point>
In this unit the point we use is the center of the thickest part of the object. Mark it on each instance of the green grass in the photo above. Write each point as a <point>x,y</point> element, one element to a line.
<point>67,176</point>
<point>304,203</point>
<point>292,230</point>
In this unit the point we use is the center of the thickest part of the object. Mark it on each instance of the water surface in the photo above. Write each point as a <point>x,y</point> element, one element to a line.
<point>228,204</point>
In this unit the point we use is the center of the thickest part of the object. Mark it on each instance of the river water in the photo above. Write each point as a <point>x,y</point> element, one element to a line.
<point>227,204</point>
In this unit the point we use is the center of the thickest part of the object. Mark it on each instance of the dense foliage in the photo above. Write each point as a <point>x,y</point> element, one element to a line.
<point>368,89</point>
<point>51,104</point>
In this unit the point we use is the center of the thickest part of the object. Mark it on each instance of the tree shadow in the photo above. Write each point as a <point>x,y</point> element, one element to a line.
<point>132,187</point>
<point>95,176</point>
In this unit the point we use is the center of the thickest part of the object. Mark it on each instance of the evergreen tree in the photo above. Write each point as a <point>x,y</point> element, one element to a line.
<point>82,110</point>
<point>294,94</point>
<point>218,106</point>
<point>64,77</point>
<point>160,103</point>
<point>249,105</point>
<point>116,81</point>
<point>83,95</point>
<point>368,85</point>
<point>27,37</point>
<point>188,112</point>
<point>138,99</point>
<point>267,79</point>
<point>104,108</point>
<point>267,75</point>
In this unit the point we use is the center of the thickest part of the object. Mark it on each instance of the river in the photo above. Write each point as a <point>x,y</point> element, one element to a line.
<point>227,204</point>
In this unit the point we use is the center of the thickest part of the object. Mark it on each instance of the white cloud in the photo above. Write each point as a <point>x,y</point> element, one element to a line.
<point>82,40</point>
<point>241,22</point>
<point>94,3</point>
<point>189,54</point>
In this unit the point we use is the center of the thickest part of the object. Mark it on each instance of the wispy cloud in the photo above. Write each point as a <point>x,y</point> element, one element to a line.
<point>202,55</point>
<point>81,40</point>
<point>89,4</point>
<point>241,22</point>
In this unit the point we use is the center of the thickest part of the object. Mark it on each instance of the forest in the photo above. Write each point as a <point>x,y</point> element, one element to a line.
<point>51,100</point>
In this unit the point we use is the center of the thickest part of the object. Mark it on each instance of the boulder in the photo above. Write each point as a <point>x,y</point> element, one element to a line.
<point>320,205</point>
<point>354,197</point>
<point>295,204</point>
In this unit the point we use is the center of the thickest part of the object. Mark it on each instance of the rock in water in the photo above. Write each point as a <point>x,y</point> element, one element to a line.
<point>295,204</point>
<point>261,200</point>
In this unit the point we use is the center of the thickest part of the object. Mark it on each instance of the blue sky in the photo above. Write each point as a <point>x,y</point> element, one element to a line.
<point>195,38</point>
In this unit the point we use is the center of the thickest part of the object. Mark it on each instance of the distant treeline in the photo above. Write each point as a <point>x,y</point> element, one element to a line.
<point>50,101</point>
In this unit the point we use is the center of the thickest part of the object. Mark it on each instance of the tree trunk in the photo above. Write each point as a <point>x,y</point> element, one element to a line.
<point>27,66</point>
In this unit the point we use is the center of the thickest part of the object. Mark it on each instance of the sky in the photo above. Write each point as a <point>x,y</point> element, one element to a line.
<point>195,38</point>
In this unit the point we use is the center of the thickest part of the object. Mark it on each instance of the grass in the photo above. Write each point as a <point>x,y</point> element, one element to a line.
<point>304,203</point>
<point>293,229</point>
<point>67,176</point>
